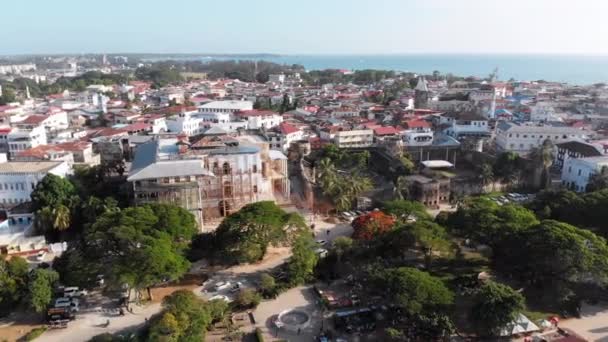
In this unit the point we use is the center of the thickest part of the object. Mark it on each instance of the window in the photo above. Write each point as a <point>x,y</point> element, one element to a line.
<point>255,189</point>
<point>226,168</point>
<point>579,172</point>
<point>255,168</point>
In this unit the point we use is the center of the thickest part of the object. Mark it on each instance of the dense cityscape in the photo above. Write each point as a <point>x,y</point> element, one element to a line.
<point>229,199</point>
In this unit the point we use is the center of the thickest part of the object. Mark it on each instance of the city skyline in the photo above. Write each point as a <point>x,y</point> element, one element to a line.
<point>339,27</point>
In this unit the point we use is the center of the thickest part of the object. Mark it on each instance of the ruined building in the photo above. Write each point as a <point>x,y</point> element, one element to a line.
<point>212,177</point>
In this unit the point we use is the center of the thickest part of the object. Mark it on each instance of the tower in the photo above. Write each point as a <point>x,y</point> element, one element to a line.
<point>492,113</point>
<point>421,97</point>
<point>27,92</point>
<point>0,89</point>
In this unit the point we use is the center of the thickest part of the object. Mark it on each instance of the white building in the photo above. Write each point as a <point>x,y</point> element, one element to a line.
<point>187,123</point>
<point>465,124</point>
<point>576,171</point>
<point>276,78</point>
<point>18,179</point>
<point>23,139</point>
<point>16,68</point>
<point>355,138</point>
<point>257,119</point>
<point>229,107</point>
<point>523,138</point>
<point>543,111</point>
<point>418,133</point>
<point>345,112</point>
<point>283,136</point>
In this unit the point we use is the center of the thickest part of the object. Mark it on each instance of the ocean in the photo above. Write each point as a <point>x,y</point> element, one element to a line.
<point>573,69</point>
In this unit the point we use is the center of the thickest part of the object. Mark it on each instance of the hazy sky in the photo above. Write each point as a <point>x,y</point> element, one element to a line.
<point>305,26</point>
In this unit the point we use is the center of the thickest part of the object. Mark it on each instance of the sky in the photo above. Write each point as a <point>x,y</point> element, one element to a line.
<point>305,26</point>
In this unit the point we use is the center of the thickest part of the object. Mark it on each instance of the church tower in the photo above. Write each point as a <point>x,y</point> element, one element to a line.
<point>421,99</point>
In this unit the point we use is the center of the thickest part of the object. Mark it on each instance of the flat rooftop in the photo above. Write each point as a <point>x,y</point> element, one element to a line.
<point>28,167</point>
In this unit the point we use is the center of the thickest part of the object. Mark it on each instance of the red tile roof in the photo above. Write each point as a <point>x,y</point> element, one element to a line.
<point>417,124</point>
<point>33,119</point>
<point>387,130</point>
<point>287,128</point>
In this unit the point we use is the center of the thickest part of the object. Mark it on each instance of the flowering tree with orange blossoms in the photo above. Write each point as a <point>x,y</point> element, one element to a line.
<point>370,225</point>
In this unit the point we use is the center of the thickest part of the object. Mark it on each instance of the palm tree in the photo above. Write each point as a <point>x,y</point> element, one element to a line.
<point>343,201</point>
<point>43,219</point>
<point>326,173</point>
<point>61,218</point>
<point>486,175</point>
<point>402,188</point>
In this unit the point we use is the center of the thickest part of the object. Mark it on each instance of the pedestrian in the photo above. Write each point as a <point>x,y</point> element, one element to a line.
<point>299,330</point>
<point>328,232</point>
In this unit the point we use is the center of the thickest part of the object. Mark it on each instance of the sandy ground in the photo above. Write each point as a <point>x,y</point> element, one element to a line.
<point>91,324</point>
<point>300,298</point>
<point>593,324</point>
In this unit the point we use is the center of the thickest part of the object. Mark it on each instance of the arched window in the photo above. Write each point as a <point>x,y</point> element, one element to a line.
<point>226,168</point>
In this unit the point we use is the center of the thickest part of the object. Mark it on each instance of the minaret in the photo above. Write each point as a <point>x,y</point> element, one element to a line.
<point>492,113</point>
<point>421,97</point>
<point>0,89</point>
<point>27,92</point>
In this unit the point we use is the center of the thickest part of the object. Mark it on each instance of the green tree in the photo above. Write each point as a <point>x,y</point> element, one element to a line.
<point>415,291</point>
<point>248,299</point>
<point>302,263</point>
<point>8,96</point>
<point>542,158</point>
<point>245,235</point>
<point>430,238</point>
<point>267,284</point>
<point>61,217</point>
<point>52,191</point>
<point>185,318</point>
<point>598,181</point>
<point>582,257</point>
<point>494,306</point>
<point>486,175</point>
<point>406,210</point>
<point>402,188</point>
<point>41,284</point>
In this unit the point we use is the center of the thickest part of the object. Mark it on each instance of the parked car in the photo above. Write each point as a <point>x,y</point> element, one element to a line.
<point>220,297</point>
<point>236,287</point>
<point>220,285</point>
<point>74,292</point>
<point>321,242</point>
<point>64,302</point>
<point>321,252</point>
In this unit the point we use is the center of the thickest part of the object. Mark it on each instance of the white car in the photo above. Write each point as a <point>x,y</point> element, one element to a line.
<point>72,303</point>
<point>321,252</point>
<point>74,292</point>
<point>220,297</point>
<point>220,285</point>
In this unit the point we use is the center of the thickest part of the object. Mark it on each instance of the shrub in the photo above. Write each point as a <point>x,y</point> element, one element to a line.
<point>34,334</point>
<point>258,334</point>
<point>248,299</point>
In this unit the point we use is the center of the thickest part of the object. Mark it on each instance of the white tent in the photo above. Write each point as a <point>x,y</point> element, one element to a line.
<point>519,326</point>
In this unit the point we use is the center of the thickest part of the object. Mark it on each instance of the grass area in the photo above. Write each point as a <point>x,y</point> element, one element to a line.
<point>34,334</point>
<point>537,316</point>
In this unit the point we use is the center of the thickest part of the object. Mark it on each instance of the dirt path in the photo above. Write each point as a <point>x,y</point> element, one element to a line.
<point>593,324</point>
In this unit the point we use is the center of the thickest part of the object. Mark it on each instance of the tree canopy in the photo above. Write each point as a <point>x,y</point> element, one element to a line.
<point>245,235</point>
<point>494,306</point>
<point>372,224</point>
<point>185,318</point>
<point>414,290</point>
<point>134,246</point>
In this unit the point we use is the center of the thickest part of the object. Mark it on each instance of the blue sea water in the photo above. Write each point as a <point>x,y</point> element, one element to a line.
<point>574,69</point>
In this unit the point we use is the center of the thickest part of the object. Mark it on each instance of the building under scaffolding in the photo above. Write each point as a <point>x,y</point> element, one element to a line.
<point>211,178</point>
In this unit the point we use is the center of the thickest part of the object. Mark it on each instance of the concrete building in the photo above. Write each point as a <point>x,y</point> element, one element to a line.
<point>188,123</point>
<point>417,133</point>
<point>354,138</point>
<point>522,139</point>
<point>465,124</point>
<point>429,191</point>
<point>573,149</point>
<point>259,119</point>
<point>577,171</point>
<point>229,107</point>
<point>18,179</point>
<point>23,139</point>
<point>212,177</point>
<point>421,94</point>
